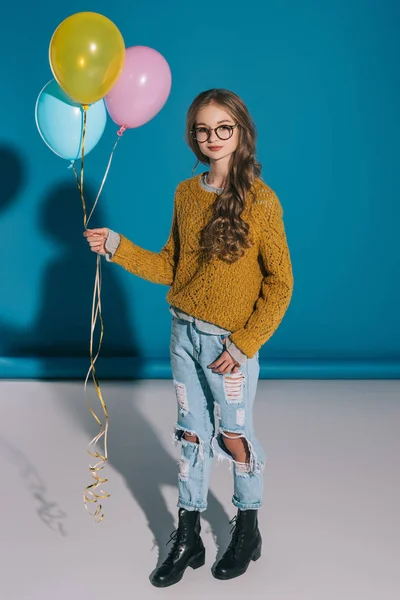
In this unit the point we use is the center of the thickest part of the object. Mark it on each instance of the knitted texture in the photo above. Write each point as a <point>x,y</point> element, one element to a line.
<point>248,297</point>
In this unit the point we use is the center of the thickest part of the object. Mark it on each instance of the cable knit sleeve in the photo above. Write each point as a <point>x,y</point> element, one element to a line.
<point>158,267</point>
<point>277,284</point>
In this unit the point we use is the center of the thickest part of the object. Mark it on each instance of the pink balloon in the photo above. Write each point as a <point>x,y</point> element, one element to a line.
<point>142,88</point>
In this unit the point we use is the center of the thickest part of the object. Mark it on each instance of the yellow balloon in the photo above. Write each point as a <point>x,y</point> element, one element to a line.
<point>87,53</point>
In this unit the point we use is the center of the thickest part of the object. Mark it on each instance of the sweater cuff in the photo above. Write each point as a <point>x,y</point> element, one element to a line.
<point>234,351</point>
<point>112,242</point>
<point>245,341</point>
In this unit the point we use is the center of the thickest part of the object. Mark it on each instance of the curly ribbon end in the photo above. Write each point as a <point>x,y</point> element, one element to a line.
<point>89,496</point>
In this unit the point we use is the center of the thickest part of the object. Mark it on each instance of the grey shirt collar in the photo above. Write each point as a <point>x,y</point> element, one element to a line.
<point>207,187</point>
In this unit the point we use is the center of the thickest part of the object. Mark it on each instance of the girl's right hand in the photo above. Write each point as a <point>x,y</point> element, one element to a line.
<point>97,239</point>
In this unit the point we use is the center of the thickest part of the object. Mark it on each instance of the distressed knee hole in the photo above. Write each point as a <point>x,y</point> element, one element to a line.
<point>244,465</point>
<point>237,446</point>
<point>233,386</point>
<point>188,437</point>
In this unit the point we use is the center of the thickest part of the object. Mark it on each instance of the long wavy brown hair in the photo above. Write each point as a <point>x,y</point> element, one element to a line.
<point>226,235</point>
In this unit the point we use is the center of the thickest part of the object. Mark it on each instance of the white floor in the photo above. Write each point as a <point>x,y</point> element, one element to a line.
<point>330,520</point>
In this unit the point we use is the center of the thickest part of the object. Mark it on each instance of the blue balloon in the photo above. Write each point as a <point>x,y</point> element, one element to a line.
<point>60,122</point>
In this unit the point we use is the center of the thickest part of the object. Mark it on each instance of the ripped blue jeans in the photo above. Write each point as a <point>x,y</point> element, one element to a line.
<point>204,397</point>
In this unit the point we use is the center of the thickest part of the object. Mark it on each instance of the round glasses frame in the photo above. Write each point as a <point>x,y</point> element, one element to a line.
<point>231,127</point>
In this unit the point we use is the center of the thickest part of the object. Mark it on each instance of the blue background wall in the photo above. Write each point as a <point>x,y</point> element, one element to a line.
<point>322,83</point>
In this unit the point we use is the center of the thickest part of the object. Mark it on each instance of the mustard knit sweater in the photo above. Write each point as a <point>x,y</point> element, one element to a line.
<point>248,297</point>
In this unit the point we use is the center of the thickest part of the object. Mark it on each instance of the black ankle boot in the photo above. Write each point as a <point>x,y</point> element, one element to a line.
<point>188,550</point>
<point>244,546</point>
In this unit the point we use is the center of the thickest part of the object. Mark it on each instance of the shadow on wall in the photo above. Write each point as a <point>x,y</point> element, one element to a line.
<point>62,325</point>
<point>12,175</point>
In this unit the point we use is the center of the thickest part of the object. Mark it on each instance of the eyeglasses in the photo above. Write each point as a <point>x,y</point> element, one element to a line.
<point>223,132</point>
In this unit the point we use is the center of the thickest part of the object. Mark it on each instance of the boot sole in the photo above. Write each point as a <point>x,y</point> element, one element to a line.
<point>225,576</point>
<point>195,562</point>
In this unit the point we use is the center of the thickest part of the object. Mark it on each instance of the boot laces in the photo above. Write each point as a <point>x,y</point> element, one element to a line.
<point>234,520</point>
<point>176,537</point>
<point>237,537</point>
<point>173,536</point>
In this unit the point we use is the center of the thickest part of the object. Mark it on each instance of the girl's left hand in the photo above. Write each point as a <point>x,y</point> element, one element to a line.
<point>224,363</point>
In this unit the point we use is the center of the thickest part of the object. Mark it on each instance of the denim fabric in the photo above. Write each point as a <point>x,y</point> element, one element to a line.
<point>207,327</point>
<point>200,393</point>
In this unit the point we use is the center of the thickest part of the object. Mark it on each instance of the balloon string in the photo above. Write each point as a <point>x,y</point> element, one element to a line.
<point>82,167</point>
<point>119,133</point>
<point>89,494</point>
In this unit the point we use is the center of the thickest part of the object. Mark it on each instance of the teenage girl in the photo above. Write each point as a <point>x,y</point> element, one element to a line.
<point>229,270</point>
